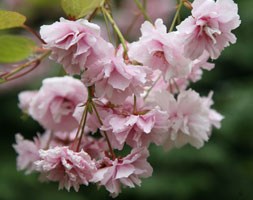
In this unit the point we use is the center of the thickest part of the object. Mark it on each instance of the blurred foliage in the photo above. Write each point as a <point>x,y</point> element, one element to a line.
<point>223,169</point>
<point>15,48</point>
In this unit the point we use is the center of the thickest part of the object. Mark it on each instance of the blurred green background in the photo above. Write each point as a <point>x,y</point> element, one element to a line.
<point>222,169</point>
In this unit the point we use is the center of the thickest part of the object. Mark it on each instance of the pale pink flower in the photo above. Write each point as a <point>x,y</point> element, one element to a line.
<point>62,138</point>
<point>197,67</point>
<point>25,99</point>
<point>214,117</point>
<point>147,125</point>
<point>78,46</point>
<point>209,28</point>
<point>94,147</point>
<point>190,118</point>
<point>126,171</point>
<point>136,130</point>
<point>69,168</point>
<point>121,81</point>
<point>28,151</point>
<point>92,123</point>
<point>158,49</point>
<point>140,128</point>
<point>55,103</point>
<point>175,85</point>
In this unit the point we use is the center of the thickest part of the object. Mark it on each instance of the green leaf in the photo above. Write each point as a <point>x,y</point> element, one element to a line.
<point>9,19</point>
<point>79,8</point>
<point>15,48</point>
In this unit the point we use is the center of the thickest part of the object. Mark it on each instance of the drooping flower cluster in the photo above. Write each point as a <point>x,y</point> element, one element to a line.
<point>209,27</point>
<point>133,98</point>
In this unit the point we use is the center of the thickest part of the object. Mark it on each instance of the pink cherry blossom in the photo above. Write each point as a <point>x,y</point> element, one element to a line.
<point>94,147</point>
<point>197,67</point>
<point>55,103</point>
<point>160,50</point>
<point>69,168</point>
<point>175,85</point>
<point>147,125</point>
<point>136,130</point>
<point>92,123</point>
<point>209,28</point>
<point>126,171</point>
<point>190,118</point>
<point>121,81</point>
<point>28,151</point>
<point>214,117</point>
<point>25,99</point>
<point>78,46</point>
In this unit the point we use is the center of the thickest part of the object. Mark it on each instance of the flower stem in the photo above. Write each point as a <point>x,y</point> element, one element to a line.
<point>92,15</point>
<point>135,106</point>
<point>32,67</point>
<point>107,28</point>
<point>145,4</point>
<point>82,125</point>
<point>149,90</point>
<point>105,134</point>
<point>176,15</point>
<point>116,29</point>
<point>23,66</point>
<point>142,9</point>
<point>29,29</point>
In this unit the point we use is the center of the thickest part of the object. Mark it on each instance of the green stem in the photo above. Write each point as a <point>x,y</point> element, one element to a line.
<point>176,15</point>
<point>135,105</point>
<point>116,29</point>
<point>142,9</point>
<point>107,27</point>
<point>149,90</point>
<point>92,15</point>
<point>106,136</point>
<point>145,4</point>
<point>82,125</point>
<point>29,29</point>
<point>25,65</point>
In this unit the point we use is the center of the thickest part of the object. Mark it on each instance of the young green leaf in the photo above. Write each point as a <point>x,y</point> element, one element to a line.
<point>9,19</point>
<point>15,48</point>
<point>79,8</point>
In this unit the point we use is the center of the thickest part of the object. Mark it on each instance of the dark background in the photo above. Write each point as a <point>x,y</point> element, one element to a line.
<point>222,169</point>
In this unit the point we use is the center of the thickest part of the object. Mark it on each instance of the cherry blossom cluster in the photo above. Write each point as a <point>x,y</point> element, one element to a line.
<point>132,96</point>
